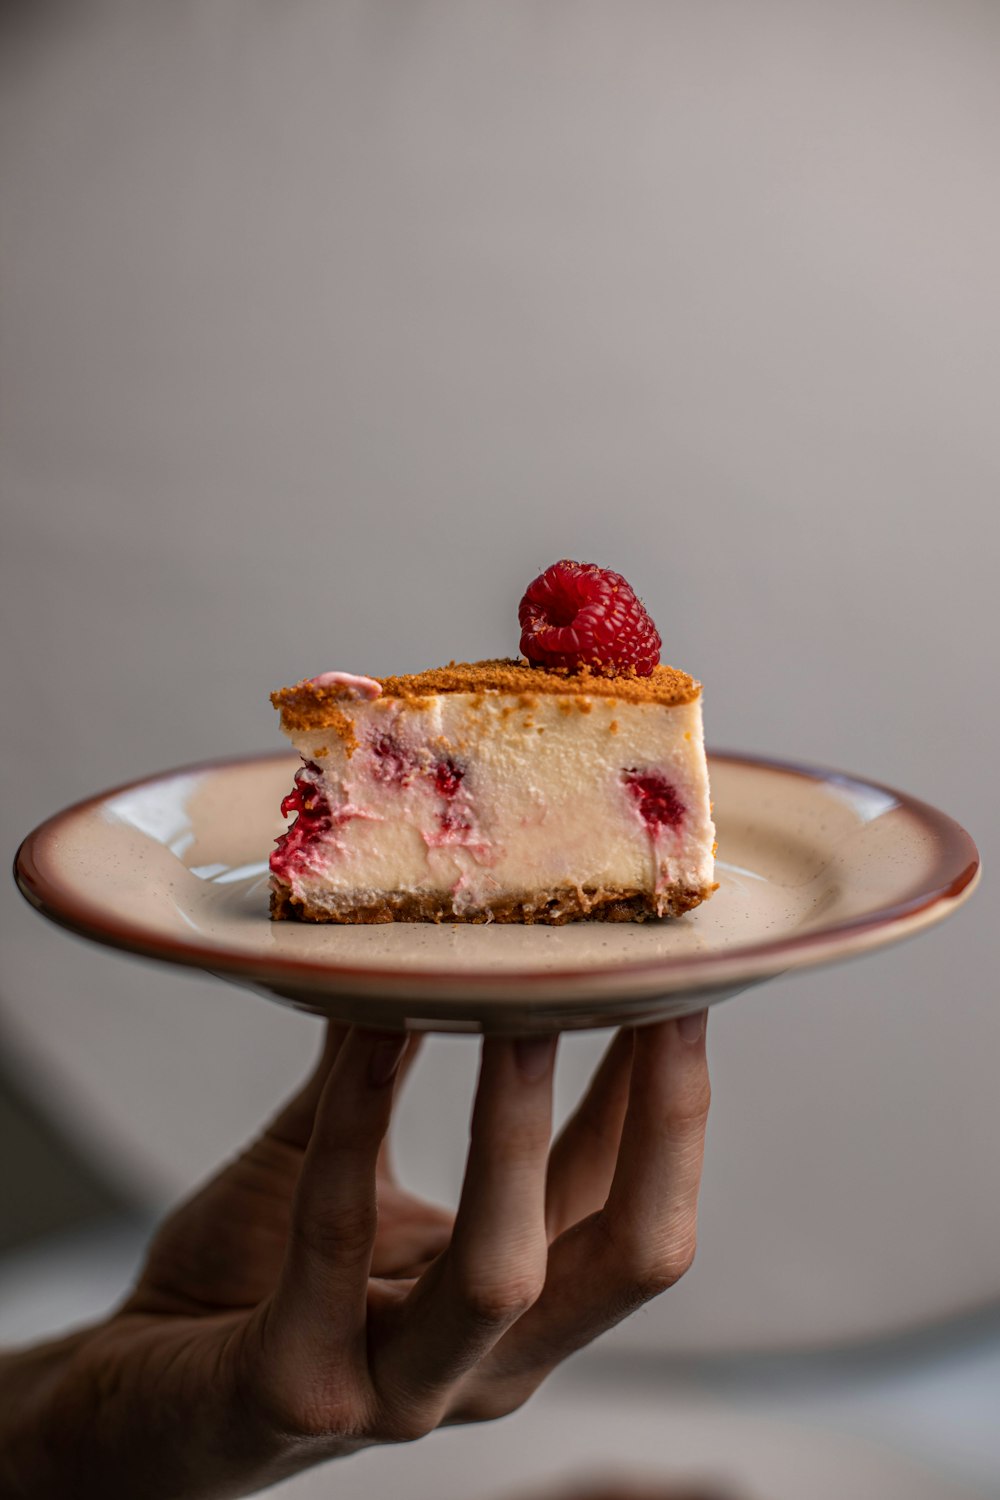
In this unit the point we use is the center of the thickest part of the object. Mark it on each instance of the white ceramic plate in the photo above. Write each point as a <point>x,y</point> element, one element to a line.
<point>813,866</point>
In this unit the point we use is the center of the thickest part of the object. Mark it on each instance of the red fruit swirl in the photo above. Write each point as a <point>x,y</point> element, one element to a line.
<point>313,819</point>
<point>392,761</point>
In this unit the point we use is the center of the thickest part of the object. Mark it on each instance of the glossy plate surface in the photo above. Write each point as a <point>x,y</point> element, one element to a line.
<point>813,866</point>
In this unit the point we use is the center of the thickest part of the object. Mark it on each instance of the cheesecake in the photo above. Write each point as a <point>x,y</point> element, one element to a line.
<point>508,790</point>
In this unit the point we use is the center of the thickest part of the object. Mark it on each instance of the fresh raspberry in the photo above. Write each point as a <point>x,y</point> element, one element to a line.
<point>577,614</point>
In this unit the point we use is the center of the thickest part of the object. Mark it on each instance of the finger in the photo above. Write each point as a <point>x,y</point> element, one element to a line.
<point>293,1124</point>
<point>582,1160</point>
<point>650,1217</point>
<point>319,1307</point>
<point>386,1165</point>
<point>641,1242</point>
<point>494,1267</point>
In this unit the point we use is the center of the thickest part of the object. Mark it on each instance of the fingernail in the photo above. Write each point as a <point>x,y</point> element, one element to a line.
<point>385,1059</point>
<point>534,1055</point>
<point>692,1028</point>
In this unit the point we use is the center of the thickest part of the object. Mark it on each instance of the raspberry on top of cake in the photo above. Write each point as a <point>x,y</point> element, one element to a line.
<point>571,783</point>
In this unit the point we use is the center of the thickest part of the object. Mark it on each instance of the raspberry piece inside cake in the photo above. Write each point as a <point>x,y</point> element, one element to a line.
<point>656,800</point>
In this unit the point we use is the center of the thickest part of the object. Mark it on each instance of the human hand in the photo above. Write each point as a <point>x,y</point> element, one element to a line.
<point>304,1305</point>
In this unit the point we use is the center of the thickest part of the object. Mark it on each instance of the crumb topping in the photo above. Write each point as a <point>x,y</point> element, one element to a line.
<point>303,707</point>
<point>308,705</point>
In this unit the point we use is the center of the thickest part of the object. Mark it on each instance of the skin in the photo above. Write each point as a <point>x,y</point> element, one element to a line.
<point>304,1305</point>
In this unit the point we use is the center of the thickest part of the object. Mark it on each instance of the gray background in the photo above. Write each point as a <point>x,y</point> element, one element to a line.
<point>325,327</point>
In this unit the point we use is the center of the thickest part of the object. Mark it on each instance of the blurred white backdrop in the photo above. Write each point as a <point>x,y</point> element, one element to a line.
<point>326,327</point>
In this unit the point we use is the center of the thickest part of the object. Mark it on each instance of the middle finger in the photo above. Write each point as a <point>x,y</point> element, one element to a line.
<point>494,1267</point>
<point>639,1243</point>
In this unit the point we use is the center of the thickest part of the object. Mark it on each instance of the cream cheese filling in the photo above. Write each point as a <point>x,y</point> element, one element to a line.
<point>490,796</point>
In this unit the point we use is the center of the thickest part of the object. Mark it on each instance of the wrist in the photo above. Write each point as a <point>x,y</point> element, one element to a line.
<point>140,1404</point>
<point>34,1436</point>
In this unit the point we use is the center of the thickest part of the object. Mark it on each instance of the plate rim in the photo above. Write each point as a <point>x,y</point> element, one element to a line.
<point>951,882</point>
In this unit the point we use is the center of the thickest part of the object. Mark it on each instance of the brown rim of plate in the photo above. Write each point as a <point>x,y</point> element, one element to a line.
<point>952,879</point>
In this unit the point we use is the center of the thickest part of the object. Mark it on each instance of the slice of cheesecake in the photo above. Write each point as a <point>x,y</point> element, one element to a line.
<point>495,791</point>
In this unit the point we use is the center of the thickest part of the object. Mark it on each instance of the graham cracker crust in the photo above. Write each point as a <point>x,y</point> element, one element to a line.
<point>552,907</point>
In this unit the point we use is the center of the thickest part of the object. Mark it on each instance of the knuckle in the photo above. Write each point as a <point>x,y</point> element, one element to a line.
<point>281,1402</point>
<point>690,1108</point>
<point>404,1412</point>
<point>682,1261</point>
<point>345,1236</point>
<point>333,1404</point>
<point>494,1302</point>
<point>645,1268</point>
<point>494,1405</point>
<point>653,1275</point>
<point>407,1425</point>
<point>314,1417</point>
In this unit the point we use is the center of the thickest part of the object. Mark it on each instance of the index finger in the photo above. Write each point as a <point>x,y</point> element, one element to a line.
<point>316,1318</point>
